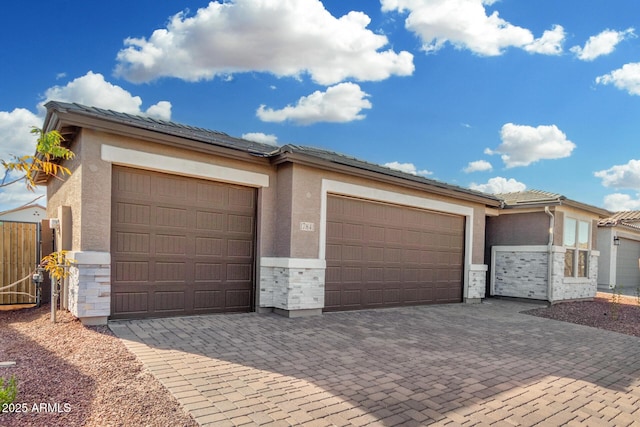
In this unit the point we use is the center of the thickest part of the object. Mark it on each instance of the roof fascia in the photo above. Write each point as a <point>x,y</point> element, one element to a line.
<point>56,120</point>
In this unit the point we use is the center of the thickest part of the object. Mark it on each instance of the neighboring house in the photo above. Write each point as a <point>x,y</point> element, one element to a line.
<point>165,219</point>
<point>28,213</point>
<point>619,246</point>
<point>543,246</point>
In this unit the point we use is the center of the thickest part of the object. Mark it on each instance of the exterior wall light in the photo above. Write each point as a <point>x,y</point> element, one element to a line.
<point>616,241</point>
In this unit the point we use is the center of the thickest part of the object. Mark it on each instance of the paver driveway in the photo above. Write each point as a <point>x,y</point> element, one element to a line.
<point>455,364</point>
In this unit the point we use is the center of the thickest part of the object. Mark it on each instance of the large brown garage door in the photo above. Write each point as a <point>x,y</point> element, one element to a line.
<point>180,245</point>
<point>381,255</point>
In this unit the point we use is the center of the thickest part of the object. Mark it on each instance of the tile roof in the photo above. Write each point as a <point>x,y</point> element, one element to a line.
<point>625,218</point>
<point>530,197</point>
<point>537,198</point>
<point>164,126</point>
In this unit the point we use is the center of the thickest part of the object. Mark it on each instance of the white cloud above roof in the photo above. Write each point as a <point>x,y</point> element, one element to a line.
<point>499,185</point>
<point>621,202</point>
<point>94,91</point>
<point>625,78</point>
<point>601,44</point>
<point>522,145</point>
<point>621,176</point>
<point>15,128</point>
<point>286,38</point>
<point>341,103</point>
<point>261,137</point>
<point>466,25</point>
<point>478,166</point>
<point>408,168</point>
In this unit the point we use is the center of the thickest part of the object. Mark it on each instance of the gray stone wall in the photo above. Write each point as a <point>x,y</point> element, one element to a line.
<point>520,271</point>
<point>89,287</point>
<point>292,284</point>
<point>477,283</point>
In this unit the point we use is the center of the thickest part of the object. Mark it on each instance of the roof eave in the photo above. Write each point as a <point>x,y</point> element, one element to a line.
<point>288,156</point>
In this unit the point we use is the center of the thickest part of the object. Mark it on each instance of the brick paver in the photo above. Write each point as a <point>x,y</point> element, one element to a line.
<point>470,365</point>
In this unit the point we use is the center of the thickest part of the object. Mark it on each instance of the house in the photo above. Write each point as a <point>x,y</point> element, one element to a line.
<point>619,246</point>
<point>543,246</point>
<point>29,213</point>
<point>165,219</point>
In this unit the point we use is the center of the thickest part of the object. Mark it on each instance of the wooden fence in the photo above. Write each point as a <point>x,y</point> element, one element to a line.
<point>19,255</point>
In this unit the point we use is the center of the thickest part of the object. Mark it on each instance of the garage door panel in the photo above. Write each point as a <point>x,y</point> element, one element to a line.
<point>131,303</point>
<point>171,217</point>
<point>179,245</point>
<point>132,213</point>
<point>165,301</point>
<point>407,256</point>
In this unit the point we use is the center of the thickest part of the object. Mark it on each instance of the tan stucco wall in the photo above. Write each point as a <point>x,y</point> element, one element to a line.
<point>67,192</point>
<point>307,200</point>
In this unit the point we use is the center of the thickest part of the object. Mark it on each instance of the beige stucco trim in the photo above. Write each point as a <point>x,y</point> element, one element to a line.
<point>292,262</point>
<point>354,190</point>
<point>160,163</point>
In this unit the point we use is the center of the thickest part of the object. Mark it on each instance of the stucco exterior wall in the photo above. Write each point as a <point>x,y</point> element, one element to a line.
<point>68,192</point>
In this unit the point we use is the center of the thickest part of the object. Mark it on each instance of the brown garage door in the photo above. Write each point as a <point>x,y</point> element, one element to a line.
<point>381,255</point>
<point>180,245</point>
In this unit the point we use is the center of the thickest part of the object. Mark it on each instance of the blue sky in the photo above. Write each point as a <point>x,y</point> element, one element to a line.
<point>498,96</point>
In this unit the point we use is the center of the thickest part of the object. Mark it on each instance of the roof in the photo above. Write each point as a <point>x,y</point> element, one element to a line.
<point>539,198</point>
<point>624,218</point>
<point>345,160</point>
<point>57,109</point>
<point>70,117</point>
<point>22,208</point>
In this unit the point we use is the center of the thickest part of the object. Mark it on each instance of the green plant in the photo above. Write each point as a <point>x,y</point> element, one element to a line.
<point>8,391</point>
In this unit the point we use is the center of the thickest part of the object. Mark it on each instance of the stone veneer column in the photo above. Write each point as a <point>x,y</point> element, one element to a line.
<point>477,281</point>
<point>89,287</point>
<point>292,286</point>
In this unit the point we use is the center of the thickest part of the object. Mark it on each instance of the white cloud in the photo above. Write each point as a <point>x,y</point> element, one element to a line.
<point>90,89</point>
<point>466,25</point>
<point>621,176</point>
<point>261,137</point>
<point>601,44</point>
<point>549,44</point>
<point>523,145</point>
<point>408,168</point>
<point>15,128</point>
<point>94,91</point>
<point>478,166</point>
<point>286,38</point>
<point>339,104</point>
<point>621,202</point>
<point>625,78</point>
<point>499,185</point>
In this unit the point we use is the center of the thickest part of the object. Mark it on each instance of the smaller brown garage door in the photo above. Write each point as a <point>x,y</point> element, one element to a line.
<point>382,255</point>
<point>180,245</point>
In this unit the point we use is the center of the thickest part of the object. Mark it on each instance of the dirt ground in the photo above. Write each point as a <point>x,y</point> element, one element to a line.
<point>72,375</point>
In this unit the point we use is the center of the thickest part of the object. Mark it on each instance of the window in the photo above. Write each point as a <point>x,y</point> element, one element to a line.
<point>576,241</point>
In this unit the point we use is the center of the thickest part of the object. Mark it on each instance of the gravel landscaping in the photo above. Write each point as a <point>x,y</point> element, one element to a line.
<point>623,317</point>
<point>72,375</point>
